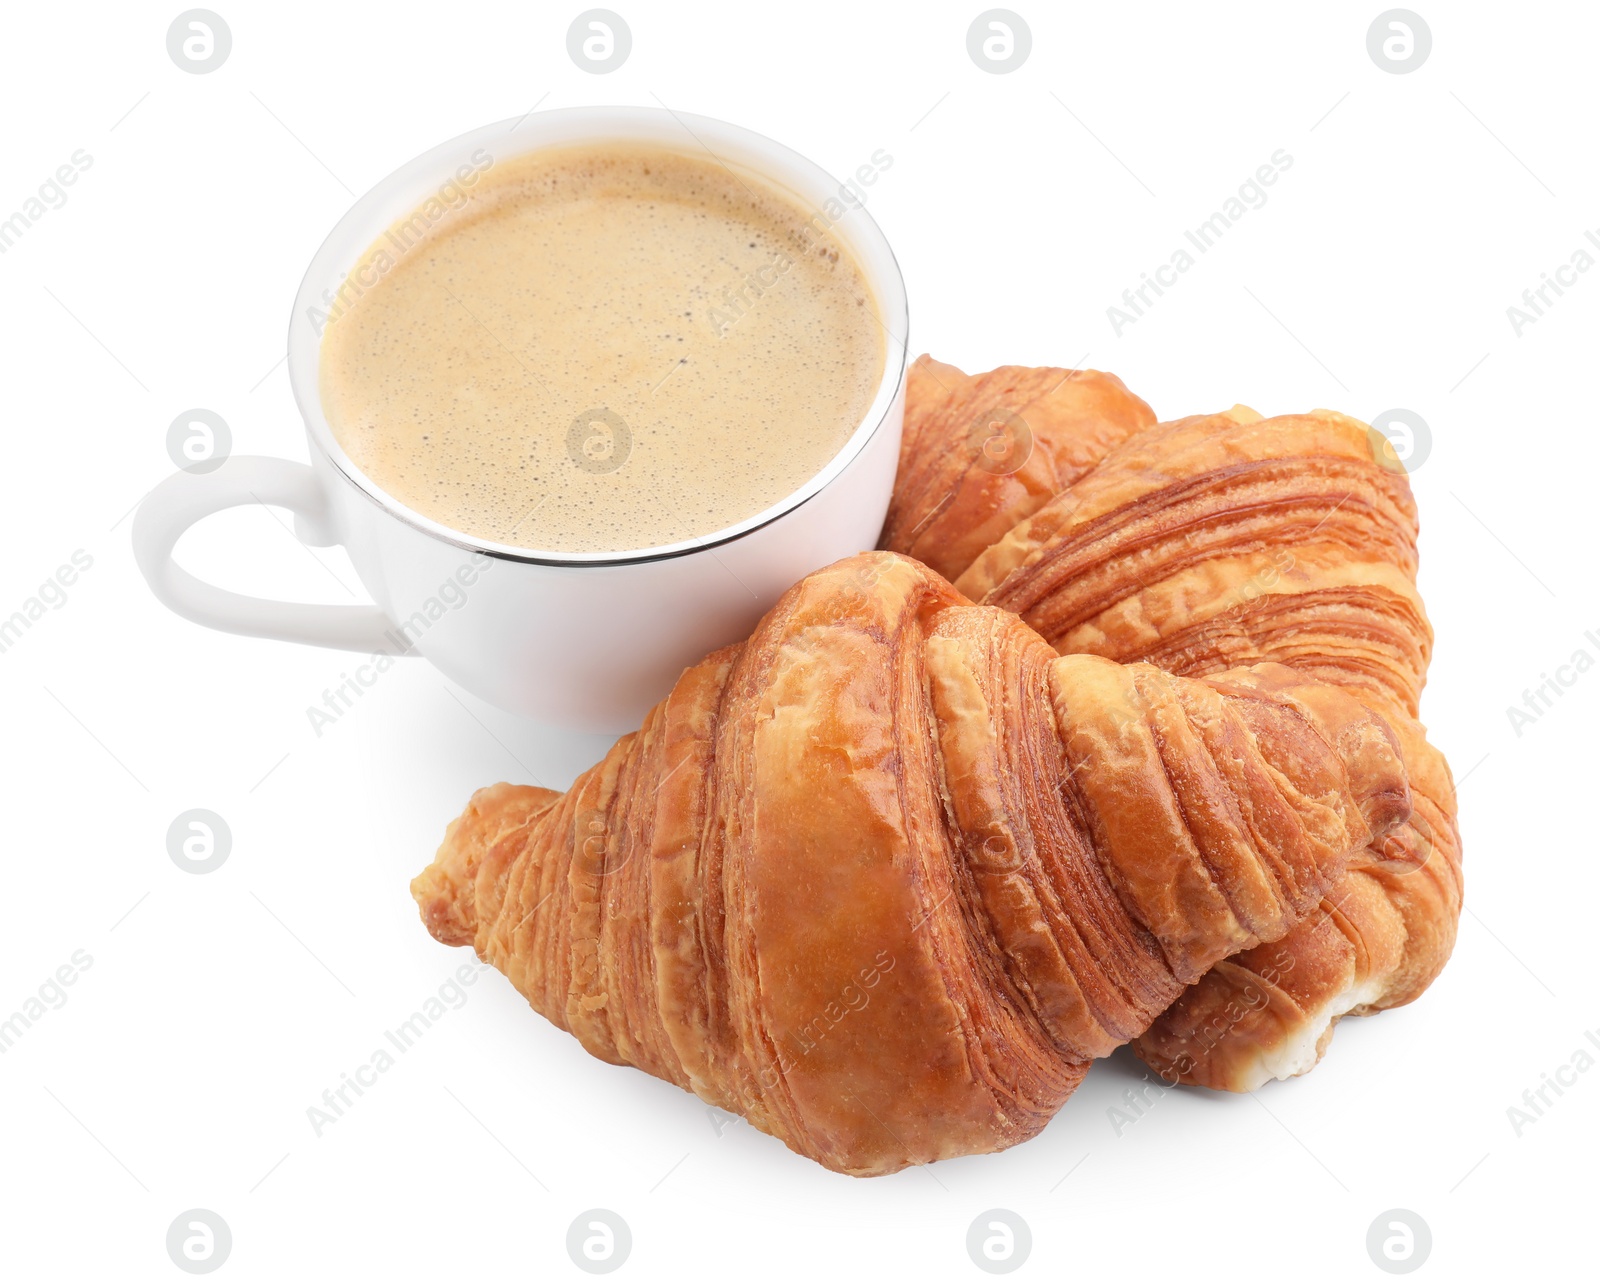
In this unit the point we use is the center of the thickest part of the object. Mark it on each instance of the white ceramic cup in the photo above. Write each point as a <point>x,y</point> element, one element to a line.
<point>581,640</point>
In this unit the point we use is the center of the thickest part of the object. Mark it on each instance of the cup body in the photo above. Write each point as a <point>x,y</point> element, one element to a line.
<point>591,640</point>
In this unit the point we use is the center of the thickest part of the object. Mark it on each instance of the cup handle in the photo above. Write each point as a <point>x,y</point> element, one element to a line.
<point>176,504</point>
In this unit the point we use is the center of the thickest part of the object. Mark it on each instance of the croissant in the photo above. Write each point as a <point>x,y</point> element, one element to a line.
<point>887,876</point>
<point>1208,543</point>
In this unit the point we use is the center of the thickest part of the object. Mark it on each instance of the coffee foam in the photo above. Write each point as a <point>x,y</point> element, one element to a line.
<point>604,349</point>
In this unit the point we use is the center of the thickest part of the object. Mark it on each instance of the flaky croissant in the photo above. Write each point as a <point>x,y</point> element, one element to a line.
<point>1199,545</point>
<point>887,876</point>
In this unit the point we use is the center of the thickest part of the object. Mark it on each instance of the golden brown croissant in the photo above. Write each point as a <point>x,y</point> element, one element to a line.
<point>1228,540</point>
<point>887,876</point>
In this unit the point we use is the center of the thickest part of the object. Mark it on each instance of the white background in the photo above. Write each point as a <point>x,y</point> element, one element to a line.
<point>219,1007</point>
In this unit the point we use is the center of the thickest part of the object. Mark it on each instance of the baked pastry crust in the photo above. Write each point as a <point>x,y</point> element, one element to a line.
<point>980,453</point>
<point>886,877</point>
<point>1225,540</point>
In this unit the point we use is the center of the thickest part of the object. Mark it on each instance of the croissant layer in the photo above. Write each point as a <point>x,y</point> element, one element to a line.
<point>982,452</point>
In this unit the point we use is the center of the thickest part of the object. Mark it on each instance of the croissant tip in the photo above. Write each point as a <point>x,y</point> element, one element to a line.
<point>439,890</point>
<point>440,908</point>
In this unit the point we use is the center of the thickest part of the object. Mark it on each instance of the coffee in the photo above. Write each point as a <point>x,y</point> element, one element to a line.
<point>601,349</point>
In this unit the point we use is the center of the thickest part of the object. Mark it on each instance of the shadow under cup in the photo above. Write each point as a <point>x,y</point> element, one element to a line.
<point>586,640</point>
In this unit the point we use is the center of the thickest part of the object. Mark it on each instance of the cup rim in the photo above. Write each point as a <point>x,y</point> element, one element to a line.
<point>386,201</point>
